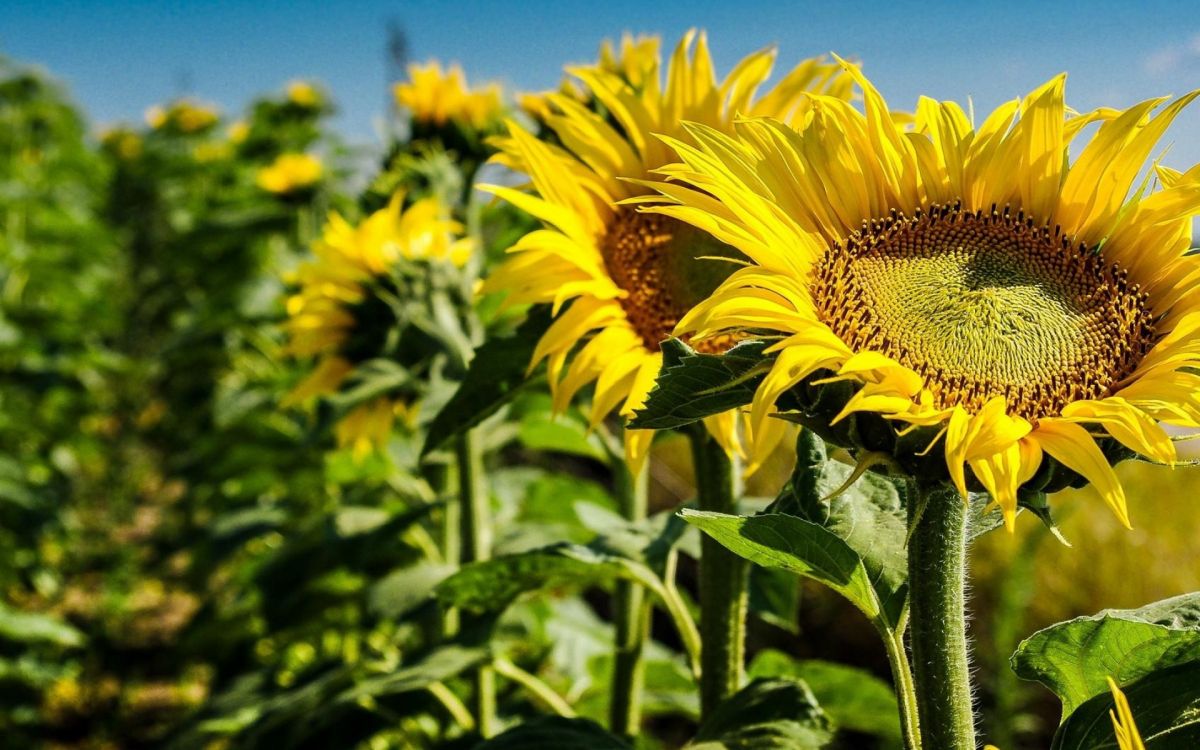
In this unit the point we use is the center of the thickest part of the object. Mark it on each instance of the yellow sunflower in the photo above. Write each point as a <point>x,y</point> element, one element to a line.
<point>973,279</point>
<point>185,116</point>
<point>629,275</point>
<point>327,317</point>
<point>436,97</point>
<point>290,173</point>
<point>304,95</point>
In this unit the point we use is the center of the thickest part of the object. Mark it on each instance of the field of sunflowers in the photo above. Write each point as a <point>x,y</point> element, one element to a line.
<point>672,408</point>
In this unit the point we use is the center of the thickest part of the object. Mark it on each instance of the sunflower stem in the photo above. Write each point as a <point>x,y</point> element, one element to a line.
<point>938,624</point>
<point>724,579</point>
<point>475,536</point>
<point>632,618</point>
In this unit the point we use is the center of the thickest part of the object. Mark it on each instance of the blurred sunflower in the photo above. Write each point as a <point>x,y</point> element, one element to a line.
<point>436,97</point>
<point>630,275</point>
<point>338,315</point>
<point>970,279</point>
<point>183,116</point>
<point>304,95</point>
<point>290,173</point>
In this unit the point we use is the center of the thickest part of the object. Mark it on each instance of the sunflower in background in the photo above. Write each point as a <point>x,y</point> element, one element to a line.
<point>183,116</point>
<point>290,174</point>
<point>340,314</point>
<point>436,97</point>
<point>630,276</point>
<point>304,95</point>
<point>968,281</point>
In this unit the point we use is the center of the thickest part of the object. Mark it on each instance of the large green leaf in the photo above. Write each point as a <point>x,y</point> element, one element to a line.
<point>496,374</point>
<point>492,585</point>
<point>1165,706</point>
<point>869,516</point>
<point>767,714</point>
<point>777,540</point>
<point>1074,658</point>
<point>556,733</point>
<point>854,698</point>
<point>692,386</point>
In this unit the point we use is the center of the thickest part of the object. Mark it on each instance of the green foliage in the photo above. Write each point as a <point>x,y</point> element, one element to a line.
<point>553,732</point>
<point>692,386</point>
<point>853,698</point>
<point>767,714</point>
<point>1165,706</point>
<point>1075,658</point>
<point>496,375</point>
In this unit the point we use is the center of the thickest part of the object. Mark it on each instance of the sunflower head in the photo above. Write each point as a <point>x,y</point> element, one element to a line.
<point>350,298</point>
<point>1031,316</point>
<point>434,98</point>
<point>290,174</point>
<point>629,276</point>
<point>304,95</point>
<point>182,116</point>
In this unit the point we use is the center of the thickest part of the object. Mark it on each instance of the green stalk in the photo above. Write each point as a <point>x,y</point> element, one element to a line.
<point>905,695</point>
<point>475,535</point>
<point>631,617</point>
<point>724,579</point>
<point>937,592</point>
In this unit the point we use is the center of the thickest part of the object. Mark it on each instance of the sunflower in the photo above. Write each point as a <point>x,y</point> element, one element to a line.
<point>183,116</point>
<point>290,173</point>
<point>436,97</point>
<point>969,279</point>
<point>629,276</point>
<point>336,313</point>
<point>304,95</point>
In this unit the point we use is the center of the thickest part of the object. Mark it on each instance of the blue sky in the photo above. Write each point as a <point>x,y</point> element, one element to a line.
<point>118,57</point>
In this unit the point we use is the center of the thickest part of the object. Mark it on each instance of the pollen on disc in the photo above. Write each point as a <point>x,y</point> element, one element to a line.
<point>984,305</point>
<point>665,267</point>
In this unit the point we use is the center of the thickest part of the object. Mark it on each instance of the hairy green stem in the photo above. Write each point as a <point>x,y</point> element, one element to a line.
<point>937,593</point>
<point>475,536</point>
<point>905,694</point>
<point>724,579</point>
<point>632,619</point>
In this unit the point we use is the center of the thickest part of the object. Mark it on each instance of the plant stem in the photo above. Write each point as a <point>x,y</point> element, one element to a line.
<point>937,592</point>
<point>535,686</point>
<point>724,579</point>
<point>475,535</point>
<point>905,695</point>
<point>632,619</point>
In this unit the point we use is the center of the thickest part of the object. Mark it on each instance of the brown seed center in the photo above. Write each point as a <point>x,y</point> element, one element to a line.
<point>984,305</point>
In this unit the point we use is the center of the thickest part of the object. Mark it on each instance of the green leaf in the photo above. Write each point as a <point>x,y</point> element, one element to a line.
<point>854,698</point>
<point>556,733</point>
<point>767,714</point>
<point>405,589</point>
<point>869,516</point>
<point>776,540</point>
<point>775,597</point>
<point>1165,706</point>
<point>492,585</point>
<point>692,386</point>
<point>560,434</point>
<point>437,666</point>
<point>1074,658</point>
<point>34,627</point>
<point>496,374</point>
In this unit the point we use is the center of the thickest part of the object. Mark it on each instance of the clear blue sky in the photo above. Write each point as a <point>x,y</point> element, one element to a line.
<point>118,57</point>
